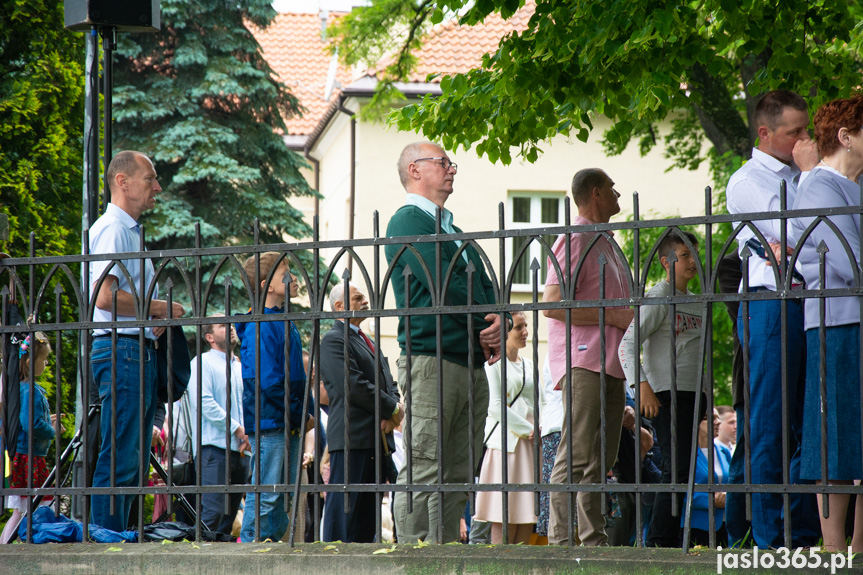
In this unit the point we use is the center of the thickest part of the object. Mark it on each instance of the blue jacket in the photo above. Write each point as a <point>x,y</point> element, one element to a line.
<point>700,501</point>
<point>272,376</point>
<point>43,433</point>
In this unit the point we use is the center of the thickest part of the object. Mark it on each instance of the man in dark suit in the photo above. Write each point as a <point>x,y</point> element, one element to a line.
<point>352,443</point>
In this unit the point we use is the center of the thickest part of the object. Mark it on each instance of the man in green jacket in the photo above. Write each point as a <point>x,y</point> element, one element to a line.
<point>427,174</point>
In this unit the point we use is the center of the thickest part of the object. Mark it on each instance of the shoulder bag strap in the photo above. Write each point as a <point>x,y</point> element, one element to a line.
<point>514,399</point>
<point>185,409</point>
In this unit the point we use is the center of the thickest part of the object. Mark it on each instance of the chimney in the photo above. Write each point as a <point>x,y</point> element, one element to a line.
<point>324,15</point>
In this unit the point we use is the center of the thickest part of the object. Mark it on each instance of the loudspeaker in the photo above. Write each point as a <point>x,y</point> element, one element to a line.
<point>124,15</point>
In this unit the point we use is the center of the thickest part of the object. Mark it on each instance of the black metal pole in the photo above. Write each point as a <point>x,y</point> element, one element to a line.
<point>109,44</point>
<point>91,132</point>
<point>89,214</point>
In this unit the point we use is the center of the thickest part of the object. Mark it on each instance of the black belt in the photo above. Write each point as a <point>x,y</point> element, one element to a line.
<point>147,341</point>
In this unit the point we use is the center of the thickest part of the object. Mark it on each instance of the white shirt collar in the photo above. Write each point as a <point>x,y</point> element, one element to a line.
<point>430,208</point>
<point>772,163</point>
<point>119,213</point>
<point>220,355</point>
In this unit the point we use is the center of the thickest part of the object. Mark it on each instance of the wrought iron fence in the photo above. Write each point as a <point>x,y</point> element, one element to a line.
<point>49,291</point>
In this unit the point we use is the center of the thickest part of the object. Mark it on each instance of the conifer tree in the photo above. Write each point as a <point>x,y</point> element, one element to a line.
<point>201,101</point>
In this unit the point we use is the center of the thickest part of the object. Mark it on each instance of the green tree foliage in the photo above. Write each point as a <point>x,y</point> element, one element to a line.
<point>41,120</point>
<point>199,99</point>
<point>634,62</point>
<point>41,123</point>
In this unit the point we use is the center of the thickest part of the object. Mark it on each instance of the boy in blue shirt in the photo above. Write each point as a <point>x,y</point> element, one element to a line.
<point>267,431</point>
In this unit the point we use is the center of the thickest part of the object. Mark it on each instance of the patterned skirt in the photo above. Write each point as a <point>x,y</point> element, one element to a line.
<point>549,450</point>
<point>19,471</point>
<point>19,479</point>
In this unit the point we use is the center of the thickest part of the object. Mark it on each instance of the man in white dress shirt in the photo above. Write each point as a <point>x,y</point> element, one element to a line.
<point>785,153</point>
<point>134,186</point>
<point>215,421</point>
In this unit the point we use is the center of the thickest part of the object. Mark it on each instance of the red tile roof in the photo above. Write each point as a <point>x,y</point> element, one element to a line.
<point>451,48</point>
<point>293,47</point>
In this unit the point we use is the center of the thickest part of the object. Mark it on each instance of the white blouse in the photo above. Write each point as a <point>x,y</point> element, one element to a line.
<point>519,375</point>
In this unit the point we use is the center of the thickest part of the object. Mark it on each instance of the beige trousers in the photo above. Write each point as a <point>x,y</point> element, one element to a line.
<point>585,443</point>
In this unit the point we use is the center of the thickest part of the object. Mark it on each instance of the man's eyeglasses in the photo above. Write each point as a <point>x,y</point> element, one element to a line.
<point>444,162</point>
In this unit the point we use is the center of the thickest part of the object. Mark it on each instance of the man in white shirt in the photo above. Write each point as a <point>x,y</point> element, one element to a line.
<point>134,186</point>
<point>218,398</point>
<point>785,153</point>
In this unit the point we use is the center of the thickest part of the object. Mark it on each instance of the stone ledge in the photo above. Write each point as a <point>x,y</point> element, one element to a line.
<point>357,559</point>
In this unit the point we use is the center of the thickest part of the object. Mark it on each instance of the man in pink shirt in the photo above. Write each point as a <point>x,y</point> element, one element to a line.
<point>594,195</point>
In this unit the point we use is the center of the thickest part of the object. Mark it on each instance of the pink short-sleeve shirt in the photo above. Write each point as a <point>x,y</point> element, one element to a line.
<point>585,349</point>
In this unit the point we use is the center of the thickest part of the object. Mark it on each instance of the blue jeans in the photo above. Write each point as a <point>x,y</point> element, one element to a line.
<point>126,436</point>
<point>274,519</point>
<point>765,418</point>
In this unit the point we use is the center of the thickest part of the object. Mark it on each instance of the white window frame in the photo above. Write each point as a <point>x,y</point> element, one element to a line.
<point>536,198</point>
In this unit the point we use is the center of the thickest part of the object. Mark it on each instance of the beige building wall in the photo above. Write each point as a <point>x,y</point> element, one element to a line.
<point>479,188</point>
<point>306,204</point>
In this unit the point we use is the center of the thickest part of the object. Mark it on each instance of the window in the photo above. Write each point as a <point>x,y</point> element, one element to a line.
<point>532,210</point>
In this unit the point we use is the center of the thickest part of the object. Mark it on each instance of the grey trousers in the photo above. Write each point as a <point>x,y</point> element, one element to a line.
<point>585,443</point>
<point>433,510</point>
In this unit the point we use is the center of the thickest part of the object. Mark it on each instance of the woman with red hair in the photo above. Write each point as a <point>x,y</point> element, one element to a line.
<point>834,183</point>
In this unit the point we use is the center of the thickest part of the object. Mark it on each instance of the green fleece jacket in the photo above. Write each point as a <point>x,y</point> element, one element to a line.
<point>411,221</point>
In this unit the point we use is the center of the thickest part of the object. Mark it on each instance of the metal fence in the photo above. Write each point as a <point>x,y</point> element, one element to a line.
<point>50,292</point>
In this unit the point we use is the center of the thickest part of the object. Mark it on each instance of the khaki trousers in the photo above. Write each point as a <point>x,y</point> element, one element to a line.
<point>425,417</point>
<point>585,443</point>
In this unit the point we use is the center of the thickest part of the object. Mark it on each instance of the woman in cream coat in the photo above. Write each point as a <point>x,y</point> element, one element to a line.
<point>519,441</point>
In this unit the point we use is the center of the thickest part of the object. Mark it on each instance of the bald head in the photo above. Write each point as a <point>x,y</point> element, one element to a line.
<point>410,154</point>
<point>134,183</point>
<point>337,295</point>
<point>356,301</point>
<point>126,162</point>
<point>425,169</point>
